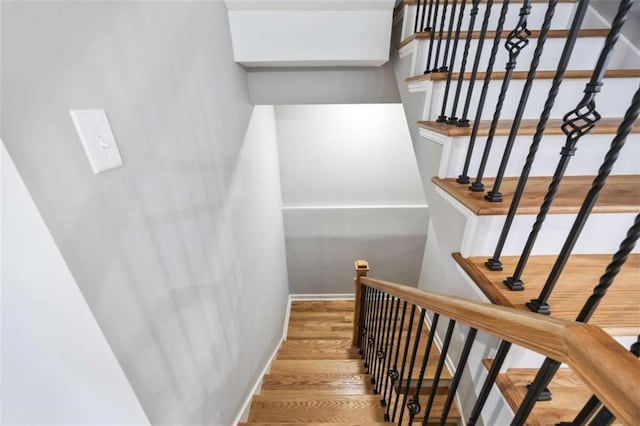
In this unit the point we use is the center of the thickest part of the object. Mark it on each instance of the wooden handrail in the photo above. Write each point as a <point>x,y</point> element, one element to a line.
<point>610,371</point>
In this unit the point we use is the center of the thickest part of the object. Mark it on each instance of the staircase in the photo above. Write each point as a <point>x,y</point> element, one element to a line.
<point>319,378</point>
<point>532,176</point>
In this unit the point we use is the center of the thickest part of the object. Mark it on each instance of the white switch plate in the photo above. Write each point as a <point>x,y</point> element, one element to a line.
<point>97,139</point>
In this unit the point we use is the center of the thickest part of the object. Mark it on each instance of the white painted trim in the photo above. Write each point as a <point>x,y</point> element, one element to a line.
<point>432,136</point>
<point>418,86</point>
<point>335,296</point>
<point>399,206</point>
<point>326,5</point>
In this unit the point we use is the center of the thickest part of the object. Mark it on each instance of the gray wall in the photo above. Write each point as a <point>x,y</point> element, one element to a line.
<point>289,86</point>
<point>631,29</point>
<point>180,253</point>
<point>351,190</point>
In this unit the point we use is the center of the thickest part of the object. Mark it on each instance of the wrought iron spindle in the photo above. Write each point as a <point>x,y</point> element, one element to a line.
<point>438,372</point>
<point>417,17</point>
<point>576,124</point>
<point>404,360</point>
<point>517,40</point>
<point>594,403</point>
<point>424,9</point>
<point>483,94</point>
<point>373,355</point>
<point>496,365</point>
<point>494,195</point>
<point>366,290</point>
<point>371,324</point>
<point>494,263</point>
<point>541,303</point>
<point>414,353</point>
<point>463,64</point>
<point>432,28</point>
<point>603,418</point>
<point>443,118</point>
<point>440,34</point>
<point>464,121</point>
<point>540,383</point>
<point>393,373</point>
<point>428,27</point>
<point>462,362</point>
<point>387,349</point>
<point>361,318</point>
<point>414,403</point>
<point>452,18</point>
<point>381,346</point>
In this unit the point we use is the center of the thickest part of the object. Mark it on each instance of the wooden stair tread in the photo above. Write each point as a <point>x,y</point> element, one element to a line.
<point>621,194</point>
<point>617,313</point>
<point>521,75</point>
<point>317,366</point>
<point>527,127</point>
<point>436,409</point>
<point>323,306</point>
<point>315,353</point>
<point>335,384</point>
<point>490,35</point>
<point>568,392</point>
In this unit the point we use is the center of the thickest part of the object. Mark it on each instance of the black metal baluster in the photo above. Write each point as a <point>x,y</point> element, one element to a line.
<point>381,346</point>
<point>462,363</point>
<point>414,403</point>
<point>563,63</point>
<point>464,121</point>
<point>364,310</point>
<point>414,353</point>
<point>541,303</point>
<point>374,295</point>
<point>494,195</point>
<point>540,383</point>
<point>432,28</point>
<point>428,27</point>
<point>496,364</point>
<point>603,418</point>
<point>517,40</point>
<point>404,361</point>
<point>373,356</point>
<point>576,124</point>
<point>483,94</point>
<point>424,9</point>
<point>384,373</point>
<point>594,403</point>
<point>443,118</point>
<point>463,64</point>
<point>452,17</point>
<point>438,372</point>
<point>415,23</point>
<point>393,373</point>
<point>361,326</point>
<point>440,34</point>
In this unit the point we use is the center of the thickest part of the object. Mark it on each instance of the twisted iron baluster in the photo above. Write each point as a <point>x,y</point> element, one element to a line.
<point>438,372</point>
<point>443,118</point>
<point>404,360</point>
<point>440,34</point>
<point>452,19</point>
<point>577,123</point>
<point>483,94</point>
<point>432,28</point>
<point>464,121</point>
<point>563,63</point>
<point>415,23</point>
<point>463,64</point>
<point>424,9</point>
<point>393,373</point>
<point>382,347</point>
<point>517,40</point>
<point>462,362</point>
<point>541,303</point>
<point>414,353</point>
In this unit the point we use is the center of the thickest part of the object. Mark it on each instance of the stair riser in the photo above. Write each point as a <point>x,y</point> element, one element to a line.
<point>477,235</point>
<point>589,48</point>
<point>561,17</point>
<point>613,101</point>
<point>588,158</point>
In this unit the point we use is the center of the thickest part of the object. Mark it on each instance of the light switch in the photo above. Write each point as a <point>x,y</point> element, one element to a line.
<point>97,139</point>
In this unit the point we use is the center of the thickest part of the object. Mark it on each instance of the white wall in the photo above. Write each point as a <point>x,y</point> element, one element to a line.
<point>351,190</point>
<point>180,253</point>
<point>57,367</point>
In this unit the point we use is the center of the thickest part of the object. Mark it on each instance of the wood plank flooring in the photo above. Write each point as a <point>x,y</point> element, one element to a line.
<point>618,312</point>
<point>621,194</point>
<point>319,378</point>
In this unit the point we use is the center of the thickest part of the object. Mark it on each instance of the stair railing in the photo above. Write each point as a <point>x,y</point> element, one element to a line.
<point>603,365</point>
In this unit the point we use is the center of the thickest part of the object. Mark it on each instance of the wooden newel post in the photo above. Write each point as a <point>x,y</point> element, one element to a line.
<point>362,267</point>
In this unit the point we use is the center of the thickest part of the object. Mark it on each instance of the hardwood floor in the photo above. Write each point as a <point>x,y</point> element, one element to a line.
<point>318,377</point>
